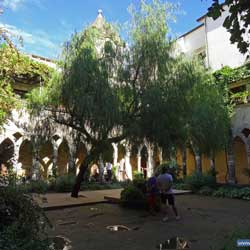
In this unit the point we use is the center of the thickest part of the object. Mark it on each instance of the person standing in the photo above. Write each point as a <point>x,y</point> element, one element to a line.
<point>109,171</point>
<point>164,183</point>
<point>152,193</point>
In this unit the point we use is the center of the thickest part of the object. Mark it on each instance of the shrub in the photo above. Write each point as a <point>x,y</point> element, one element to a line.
<point>206,190</point>
<point>233,192</point>
<point>181,186</point>
<point>22,222</point>
<point>140,183</point>
<point>230,243</point>
<point>63,183</point>
<point>38,186</point>
<point>197,180</point>
<point>133,197</point>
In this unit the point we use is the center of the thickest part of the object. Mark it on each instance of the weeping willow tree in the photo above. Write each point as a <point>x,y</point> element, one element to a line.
<point>109,91</point>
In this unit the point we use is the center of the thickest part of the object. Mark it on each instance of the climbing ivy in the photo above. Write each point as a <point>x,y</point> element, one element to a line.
<point>227,75</point>
<point>17,68</point>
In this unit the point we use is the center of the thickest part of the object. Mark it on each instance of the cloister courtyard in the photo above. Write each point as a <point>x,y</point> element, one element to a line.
<point>206,223</point>
<point>124,130</point>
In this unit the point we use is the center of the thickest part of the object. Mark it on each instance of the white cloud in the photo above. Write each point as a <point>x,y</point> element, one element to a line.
<point>12,4</point>
<point>16,4</point>
<point>38,40</point>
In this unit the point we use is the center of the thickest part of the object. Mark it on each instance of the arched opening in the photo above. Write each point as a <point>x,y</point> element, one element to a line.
<point>63,158</point>
<point>246,132</point>
<point>46,159</point>
<point>240,161</point>
<point>25,157</point>
<point>221,166</point>
<point>133,158</point>
<point>7,151</point>
<point>144,160</point>
<point>80,155</point>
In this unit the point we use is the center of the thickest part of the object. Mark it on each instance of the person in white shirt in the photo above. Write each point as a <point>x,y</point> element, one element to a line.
<point>164,183</point>
<point>109,171</point>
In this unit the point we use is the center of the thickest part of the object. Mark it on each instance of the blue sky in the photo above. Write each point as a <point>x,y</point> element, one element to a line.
<point>45,25</point>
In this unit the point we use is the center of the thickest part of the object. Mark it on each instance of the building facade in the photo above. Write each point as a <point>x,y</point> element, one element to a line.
<point>211,41</point>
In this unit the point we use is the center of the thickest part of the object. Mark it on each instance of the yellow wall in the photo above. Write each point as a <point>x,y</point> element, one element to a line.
<point>206,164</point>
<point>179,161</point>
<point>190,162</point>
<point>240,161</point>
<point>221,166</point>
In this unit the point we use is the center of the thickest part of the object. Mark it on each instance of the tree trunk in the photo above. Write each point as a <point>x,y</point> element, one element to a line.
<point>84,166</point>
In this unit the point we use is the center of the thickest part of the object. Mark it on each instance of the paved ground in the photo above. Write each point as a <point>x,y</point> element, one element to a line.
<point>205,223</point>
<point>61,200</point>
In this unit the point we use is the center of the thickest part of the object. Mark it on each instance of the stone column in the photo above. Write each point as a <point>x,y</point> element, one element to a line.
<point>115,160</point>
<point>115,153</point>
<point>35,166</point>
<point>150,163</point>
<point>231,164</point>
<point>101,169</point>
<point>160,155</point>
<point>17,166</point>
<point>128,167</point>
<point>139,159</point>
<point>198,162</point>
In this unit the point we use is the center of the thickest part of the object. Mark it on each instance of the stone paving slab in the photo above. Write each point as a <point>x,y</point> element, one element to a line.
<point>51,201</point>
<point>115,198</point>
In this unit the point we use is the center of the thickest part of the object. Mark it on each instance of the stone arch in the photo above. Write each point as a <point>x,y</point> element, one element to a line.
<point>241,164</point>
<point>63,158</point>
<point>144,160</point>
<point>25,157</point>
<point>7,151</point>
<point>46,159</point>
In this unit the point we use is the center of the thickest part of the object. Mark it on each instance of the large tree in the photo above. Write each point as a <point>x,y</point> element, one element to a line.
<point>109,91</point>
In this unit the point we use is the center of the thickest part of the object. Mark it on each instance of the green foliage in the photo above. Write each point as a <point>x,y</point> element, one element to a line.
<point>196,181</point>
<point>227,75</point>
<point>109,92</point>
<point>18,67</point>
<point>133,197</point>
<point>237,22</point>
<point>232,192</point>
<point>7,100</point>
<point>22,223</point>
<point>205,190</point>
<point>138,175</point>
<point>38,186</point>
<point>140,183</point>
<point>172,167</point>
<point>233,237</point>
<point>63,183</point>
